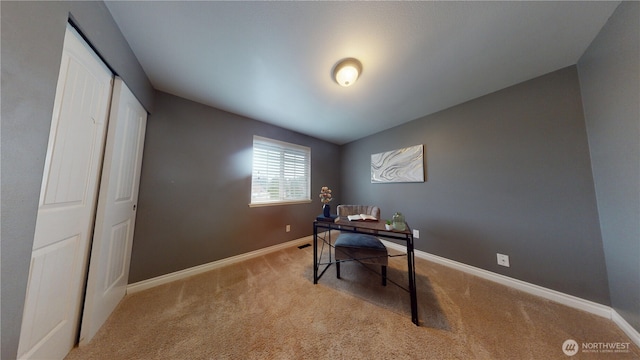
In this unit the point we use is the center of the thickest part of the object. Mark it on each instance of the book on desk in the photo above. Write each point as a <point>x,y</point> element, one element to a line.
<point>362,217</point>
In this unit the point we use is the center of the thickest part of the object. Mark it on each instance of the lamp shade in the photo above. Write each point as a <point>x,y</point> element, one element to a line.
<point>347,71</point>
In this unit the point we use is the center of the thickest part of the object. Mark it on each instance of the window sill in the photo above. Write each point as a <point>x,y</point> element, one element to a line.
<point>280,203</point>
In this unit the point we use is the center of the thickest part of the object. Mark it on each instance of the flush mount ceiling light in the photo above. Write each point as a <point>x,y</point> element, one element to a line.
<point>347,71</point>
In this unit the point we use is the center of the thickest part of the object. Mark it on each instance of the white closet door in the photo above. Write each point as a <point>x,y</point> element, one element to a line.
<point>67,203</point>
<point>115,219</point>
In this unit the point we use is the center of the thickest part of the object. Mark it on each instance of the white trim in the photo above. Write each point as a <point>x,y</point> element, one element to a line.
<point>553,295</point>
<point>625,327</point>
<point>182,274</point>
<point>277,203</point>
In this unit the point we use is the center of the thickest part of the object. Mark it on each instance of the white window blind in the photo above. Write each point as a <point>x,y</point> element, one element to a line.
<point>281,172</point>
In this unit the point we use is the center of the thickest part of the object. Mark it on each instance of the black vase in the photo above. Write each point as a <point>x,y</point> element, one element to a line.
<point>326,210</point>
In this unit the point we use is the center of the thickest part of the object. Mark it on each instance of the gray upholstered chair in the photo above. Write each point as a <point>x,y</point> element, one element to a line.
<point>359,247</point>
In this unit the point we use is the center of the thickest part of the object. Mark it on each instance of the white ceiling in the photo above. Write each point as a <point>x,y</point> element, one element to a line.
<point>272,61</point>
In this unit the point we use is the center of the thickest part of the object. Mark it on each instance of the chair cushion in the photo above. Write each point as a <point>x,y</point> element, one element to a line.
<point>367,248</point>
<point>360,241</point>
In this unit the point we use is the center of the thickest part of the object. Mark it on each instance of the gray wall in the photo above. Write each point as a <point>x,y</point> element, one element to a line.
<point>506,173</point>
<point>32,38</point>
<point>610,83</point>
<point>195,189</point>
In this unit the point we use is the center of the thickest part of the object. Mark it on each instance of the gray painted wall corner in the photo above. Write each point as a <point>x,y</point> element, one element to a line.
<point>195,189</point>
<point>609,78</point>
<point>508,172</point>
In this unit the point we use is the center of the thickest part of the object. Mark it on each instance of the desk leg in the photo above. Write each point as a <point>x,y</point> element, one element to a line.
<point>330,243</point>
<point>315,254</point>
<point>412,281</point>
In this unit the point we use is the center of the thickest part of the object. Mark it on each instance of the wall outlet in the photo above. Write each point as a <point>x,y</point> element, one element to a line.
<point>288,228</point>
<point>416,234</point>
<point>503,260</point>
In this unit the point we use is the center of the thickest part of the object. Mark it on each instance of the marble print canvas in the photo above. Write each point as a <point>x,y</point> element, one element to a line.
<point>402,165</point>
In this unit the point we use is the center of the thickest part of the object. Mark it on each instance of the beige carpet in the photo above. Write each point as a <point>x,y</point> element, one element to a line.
<point>269,308</point>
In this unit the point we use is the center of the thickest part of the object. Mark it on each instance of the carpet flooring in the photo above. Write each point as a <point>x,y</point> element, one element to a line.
<point>269,308</point>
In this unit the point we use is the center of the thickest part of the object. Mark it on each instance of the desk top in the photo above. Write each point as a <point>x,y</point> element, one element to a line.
<point>331,218</point>
<point>369,225</point>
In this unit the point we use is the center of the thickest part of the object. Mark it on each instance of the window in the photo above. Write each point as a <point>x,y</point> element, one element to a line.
<point>281,172</point>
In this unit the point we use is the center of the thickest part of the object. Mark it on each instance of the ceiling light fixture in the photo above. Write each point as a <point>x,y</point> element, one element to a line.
<point>346,71</point>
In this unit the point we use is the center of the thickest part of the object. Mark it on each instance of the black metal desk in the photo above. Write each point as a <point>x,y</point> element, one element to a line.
<point>364,227</point>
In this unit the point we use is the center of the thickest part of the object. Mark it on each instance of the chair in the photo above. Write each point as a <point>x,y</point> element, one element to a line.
<point>363,248</point>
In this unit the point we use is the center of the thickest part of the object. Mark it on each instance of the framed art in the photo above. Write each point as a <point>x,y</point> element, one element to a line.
<point>401,165</point>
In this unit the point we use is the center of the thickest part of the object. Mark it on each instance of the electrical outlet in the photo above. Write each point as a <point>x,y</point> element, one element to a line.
<point>416,233</point>
<point>288,228</point>
<point>503,260</point>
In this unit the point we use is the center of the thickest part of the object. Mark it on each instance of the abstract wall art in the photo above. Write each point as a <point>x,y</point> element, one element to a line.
<point>402,165</point>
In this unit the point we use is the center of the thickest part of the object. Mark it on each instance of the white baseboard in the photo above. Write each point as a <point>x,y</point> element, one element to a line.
<point>626,327</point>
<point>553,295</point>
<point>182,274</point>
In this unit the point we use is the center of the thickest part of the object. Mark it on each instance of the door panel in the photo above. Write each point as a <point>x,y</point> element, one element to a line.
<point>69,174</point>
<point>51,303</point>
<point>67,203</point>
<point>113,235</point>
<point>115,267</point>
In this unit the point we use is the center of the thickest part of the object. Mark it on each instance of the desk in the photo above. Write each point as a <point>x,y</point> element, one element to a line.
<point>364,227</point>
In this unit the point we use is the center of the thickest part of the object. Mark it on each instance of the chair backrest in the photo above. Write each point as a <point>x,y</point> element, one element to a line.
<point>344,210</point>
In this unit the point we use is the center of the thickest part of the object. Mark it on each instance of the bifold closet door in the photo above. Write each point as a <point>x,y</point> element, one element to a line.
<point>116,214</point>
<point>66,208</point>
